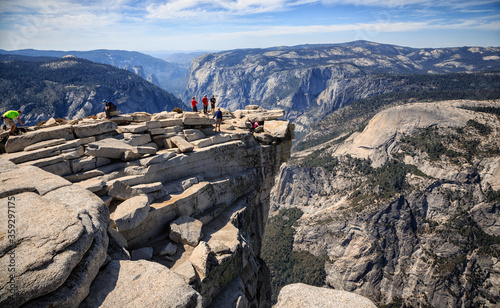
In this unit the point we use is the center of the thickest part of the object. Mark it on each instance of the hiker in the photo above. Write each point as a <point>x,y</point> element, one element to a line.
<point>9,117</point>
<point>204,101</point>
<point>193,104</point>
<point>109,107</point>
<point>212,104</point>
<point>218,119</point>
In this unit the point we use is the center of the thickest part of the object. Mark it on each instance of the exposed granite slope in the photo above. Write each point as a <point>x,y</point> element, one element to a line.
<point>71,180</point>
<point>422,228</point>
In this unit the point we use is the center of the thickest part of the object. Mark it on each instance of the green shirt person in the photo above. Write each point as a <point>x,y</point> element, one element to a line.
<point>9,117</point>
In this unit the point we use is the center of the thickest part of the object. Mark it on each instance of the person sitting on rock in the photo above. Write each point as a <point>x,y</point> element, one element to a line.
<point>193,104</point>
<point>9,117</point>
<point>109,107</point>
<point>218,119</point>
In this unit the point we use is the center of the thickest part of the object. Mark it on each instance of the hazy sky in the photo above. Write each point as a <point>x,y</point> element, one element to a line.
<point>230,24</point>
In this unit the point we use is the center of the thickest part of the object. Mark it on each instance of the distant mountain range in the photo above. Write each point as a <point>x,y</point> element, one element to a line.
<point>169,76</point>
<point>310,81</point>
<point>71,87</point>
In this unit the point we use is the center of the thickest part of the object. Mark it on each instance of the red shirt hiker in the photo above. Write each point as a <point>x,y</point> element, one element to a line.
<point>193,104</point>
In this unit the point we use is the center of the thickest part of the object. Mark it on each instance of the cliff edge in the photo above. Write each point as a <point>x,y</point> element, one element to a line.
<point>139,210</point>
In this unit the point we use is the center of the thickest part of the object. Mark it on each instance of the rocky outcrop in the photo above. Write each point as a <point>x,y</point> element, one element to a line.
<point>54,238</point>
<point>299,295</point>
<point>140,284</point>
<point>186,218</point>
<point>419,217</point>
<point>385,129</point>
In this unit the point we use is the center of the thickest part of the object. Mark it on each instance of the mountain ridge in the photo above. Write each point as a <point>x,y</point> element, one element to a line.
<point>170,75</point>
<point>310,82</point>
<point>72,87</point>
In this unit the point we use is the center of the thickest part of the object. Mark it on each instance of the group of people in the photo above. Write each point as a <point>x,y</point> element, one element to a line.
<point>10,116</point>
<point>204,102</point>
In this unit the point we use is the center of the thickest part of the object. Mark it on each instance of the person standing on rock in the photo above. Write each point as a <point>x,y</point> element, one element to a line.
<point>218,119</point>
<point>108,107</point>
<point>212,104</point>
<point>9,117</point>
<point>193,104</point>
<point>204,101</point>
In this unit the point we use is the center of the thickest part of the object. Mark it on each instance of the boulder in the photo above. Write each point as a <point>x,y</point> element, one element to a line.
<point>121,119</point>
<point>193,134</point>
<point>162,115</point>
<point>277,129</point>
<point>202,143</point>
<point>182,144</point>
<point>136,139</point>
<point>140,284</point>
<point>300,295</point>
<point>173,129</point>
<point>159,158</point>
<point>186,271</point>
<point>145,253</point>
<point>110,148</point>
<point>143,150</point>
<point>93,185</point>
<point>266,116</point>
<point>153,124</point>
<point>131,212</point>
<point>148,188</point>
<point>203,259</point>
<point>71,245</point>
<point>252,107</point>
<point>121,191</point>
<point>18,143</point>
<point>169,250</point>
<point>264,138</point>
<point>29,179</point>
<point>157,131</point>
<point>73,153</point>
<point>87,130</point>
<point>171,122</point>
<point>141,116</point>
<point>189,182</point>
<point>186,230</point>
<point>61,168</point>
<point>135,128</point>
<point>83,164</point>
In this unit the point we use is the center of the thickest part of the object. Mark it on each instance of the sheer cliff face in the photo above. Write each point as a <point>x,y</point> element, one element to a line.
<point>311,81</point>
<point>417,222</point>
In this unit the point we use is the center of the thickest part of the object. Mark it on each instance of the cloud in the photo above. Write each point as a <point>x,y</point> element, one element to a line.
<point>184,9</point>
